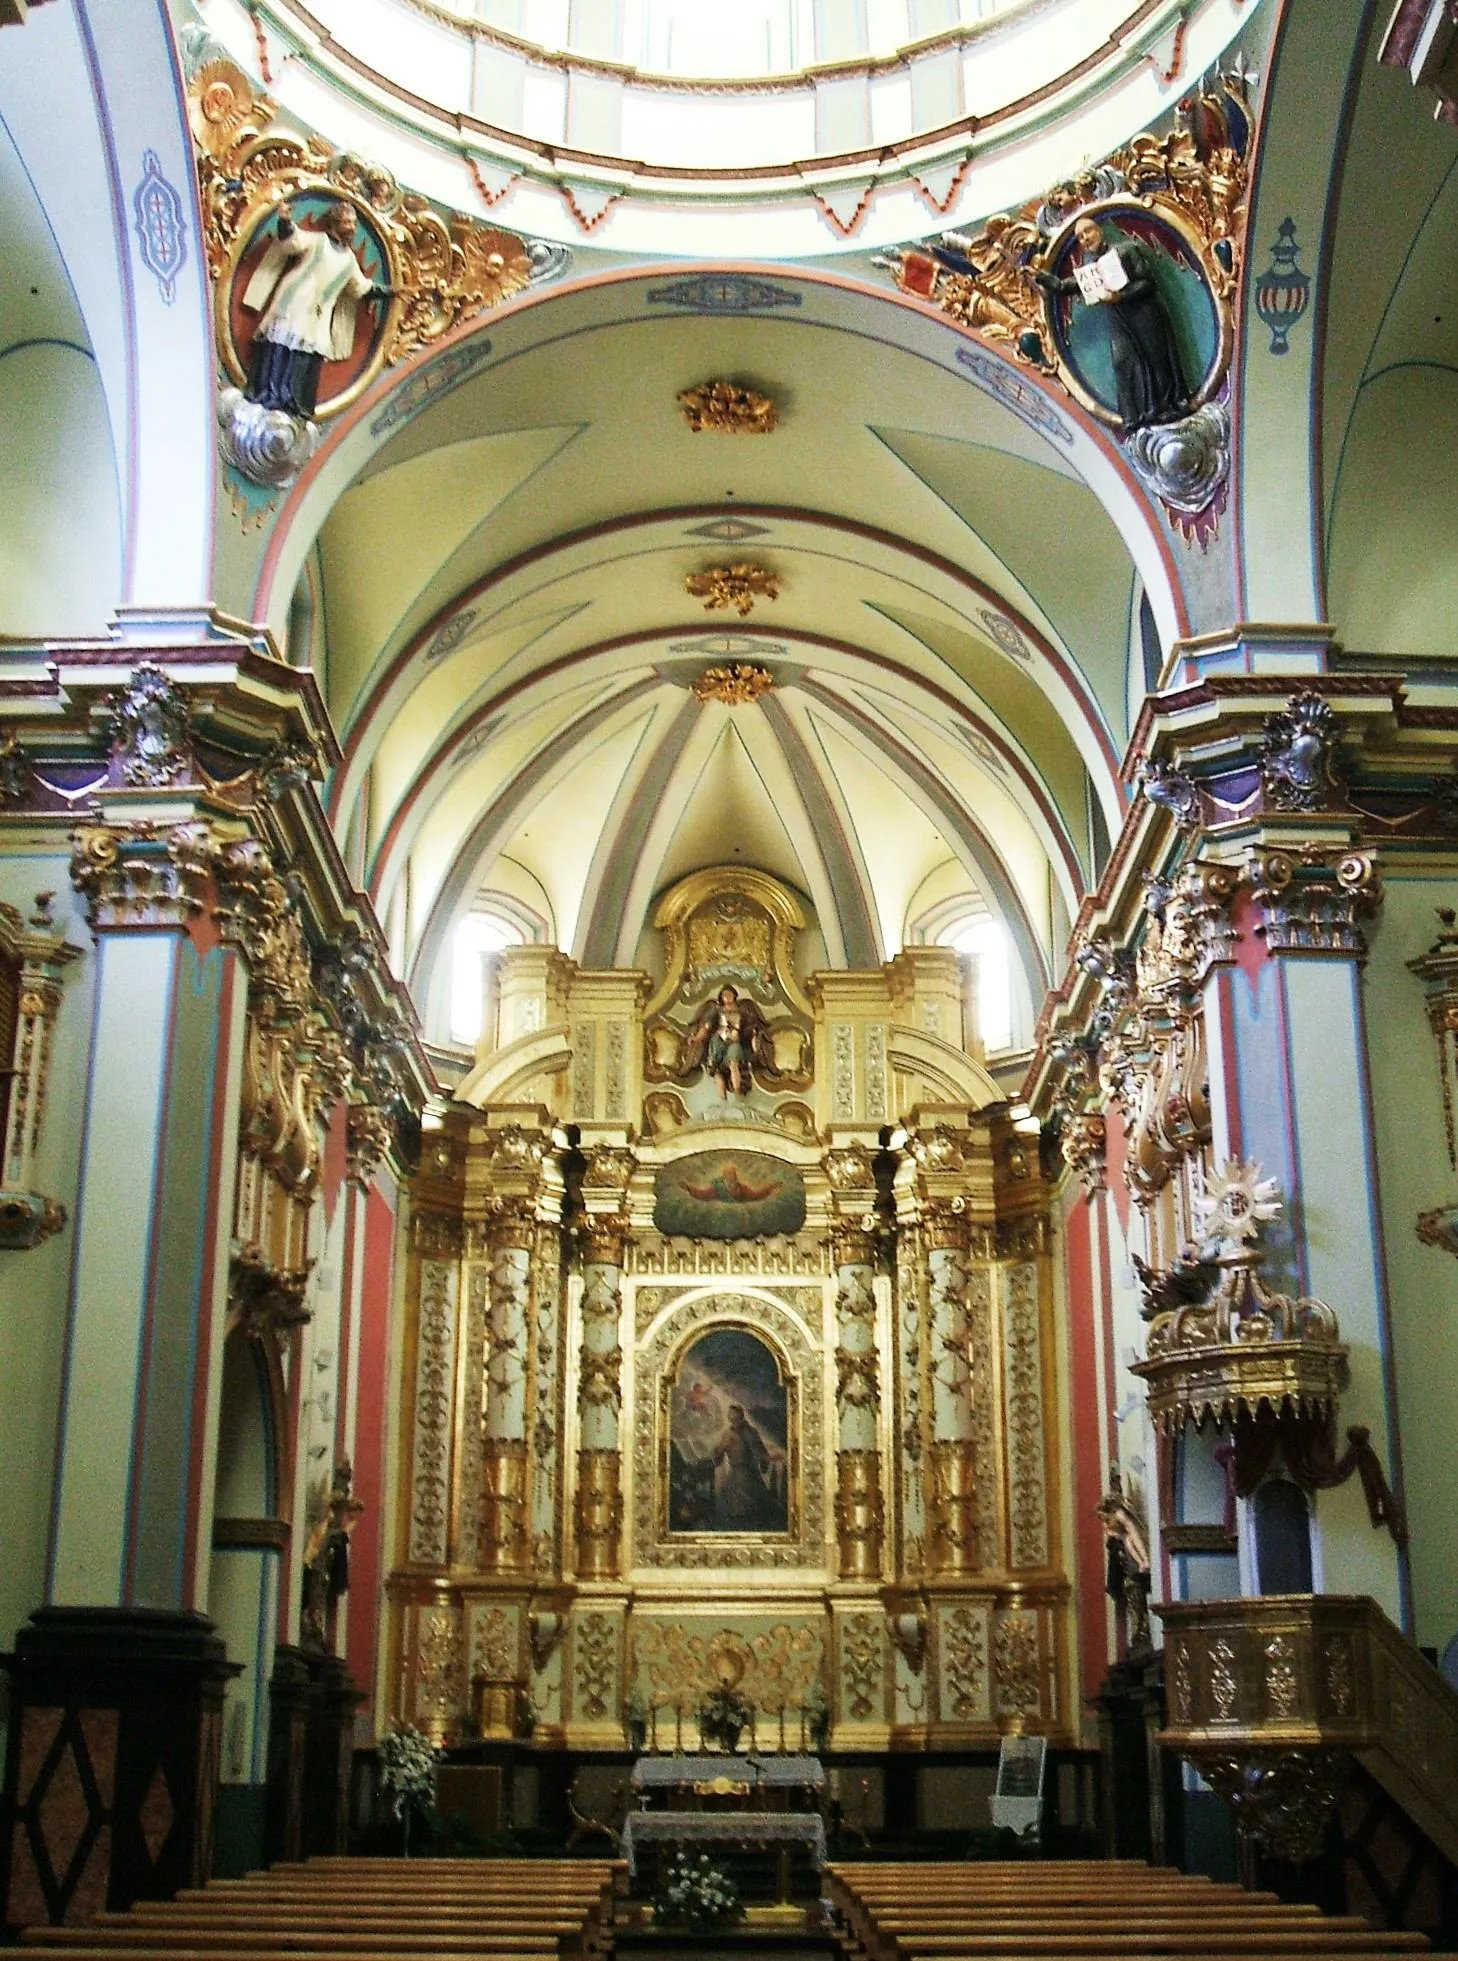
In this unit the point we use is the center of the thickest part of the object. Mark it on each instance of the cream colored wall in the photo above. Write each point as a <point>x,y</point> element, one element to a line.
<point>1415,1176</point>
<point>34,1285</point>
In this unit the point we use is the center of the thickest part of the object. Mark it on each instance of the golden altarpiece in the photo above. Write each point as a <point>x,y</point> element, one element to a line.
<point>729,1358</point>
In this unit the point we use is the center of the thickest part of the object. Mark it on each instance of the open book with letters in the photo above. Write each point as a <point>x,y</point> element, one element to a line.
<point>1102,279</point>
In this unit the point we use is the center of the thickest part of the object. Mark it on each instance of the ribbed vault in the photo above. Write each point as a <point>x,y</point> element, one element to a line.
<point>495,601</point>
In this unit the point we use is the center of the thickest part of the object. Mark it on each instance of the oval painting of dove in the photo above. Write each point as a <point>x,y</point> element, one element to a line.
<point>728,1195</point>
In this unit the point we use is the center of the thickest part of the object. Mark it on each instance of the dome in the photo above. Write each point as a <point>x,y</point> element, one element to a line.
<point>772,129</point>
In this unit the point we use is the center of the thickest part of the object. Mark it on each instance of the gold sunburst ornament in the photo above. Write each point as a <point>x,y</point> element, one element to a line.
<point>723,586</point>
<point>728,409</point>
<point>739,686</point>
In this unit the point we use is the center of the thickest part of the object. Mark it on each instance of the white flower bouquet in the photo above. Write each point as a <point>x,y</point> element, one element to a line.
<point>407,1773</point>
<point>697,1892</point>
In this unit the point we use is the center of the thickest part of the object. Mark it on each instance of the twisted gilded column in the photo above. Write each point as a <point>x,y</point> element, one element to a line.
<point>859,1508</point>
<point>598,1506</point>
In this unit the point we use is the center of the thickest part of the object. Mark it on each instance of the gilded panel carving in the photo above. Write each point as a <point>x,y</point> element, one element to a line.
<point>595,1664</point>
<point>775,1668</point>
<point>468,1475</point>
<point>434,1402</point>
<point>1017,1665</point>
<point>617,1070</point>
<point>1023,1373</point>
<point>877,1102</point>
<point>983,1393</point>
<point>546,1373</point>
<point>908,1388</point>
<point>584,1068</point>
<point>804,1543</point>
<point>439,1687</point>
<point>862,1667</point>
<point>962,1649</point>
<point>843,1071</point>
<point>494,1644</point>
<point>738,1259</point>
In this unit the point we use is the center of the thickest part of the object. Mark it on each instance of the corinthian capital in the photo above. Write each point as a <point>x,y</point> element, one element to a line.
<point>142,876</point>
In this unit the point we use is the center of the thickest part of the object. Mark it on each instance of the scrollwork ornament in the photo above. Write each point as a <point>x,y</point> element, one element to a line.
<point>1280,1798</point>
<point>1300,765</point>
<point>370,1136</point>
<point>148,720</point>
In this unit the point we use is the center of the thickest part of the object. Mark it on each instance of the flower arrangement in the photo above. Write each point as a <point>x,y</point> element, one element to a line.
<point>407,1773</point>
<point>697,1892</point>
<point>724,1715</point>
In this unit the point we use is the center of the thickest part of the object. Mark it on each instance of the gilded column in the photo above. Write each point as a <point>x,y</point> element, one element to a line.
<point>859,1508</point>
<point>953,1469</point>
<point>598,1509</point>
<point>517,1156</point>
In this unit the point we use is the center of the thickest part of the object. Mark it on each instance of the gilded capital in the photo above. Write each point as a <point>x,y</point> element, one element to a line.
<point>142,876</point>
<point>944,1223</point>
<point>1315,899</point>
<point>604,1236</point>
<point>511,1222</point>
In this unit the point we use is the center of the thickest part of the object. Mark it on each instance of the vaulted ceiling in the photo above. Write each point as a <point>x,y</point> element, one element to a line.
<point>497,607</point>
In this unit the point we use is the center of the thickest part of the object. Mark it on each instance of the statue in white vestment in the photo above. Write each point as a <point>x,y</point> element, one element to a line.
<point>307,288</point>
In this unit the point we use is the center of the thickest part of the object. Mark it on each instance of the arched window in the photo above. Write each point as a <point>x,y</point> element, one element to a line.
<point>984,942</point>
<point>478,934</point>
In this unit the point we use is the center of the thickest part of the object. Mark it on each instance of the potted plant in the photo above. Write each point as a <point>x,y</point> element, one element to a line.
<point>407,1774</point>
<point>695,1893</point>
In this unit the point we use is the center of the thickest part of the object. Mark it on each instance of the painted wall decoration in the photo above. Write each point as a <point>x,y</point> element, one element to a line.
<point>728,1195</point>
<point>729,1448</point>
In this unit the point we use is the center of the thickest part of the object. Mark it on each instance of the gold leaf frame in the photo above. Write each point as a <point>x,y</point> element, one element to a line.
<point>802,1362</point>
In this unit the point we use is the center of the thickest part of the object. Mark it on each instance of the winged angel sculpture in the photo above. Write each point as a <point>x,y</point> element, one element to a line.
<point>729,1039</point>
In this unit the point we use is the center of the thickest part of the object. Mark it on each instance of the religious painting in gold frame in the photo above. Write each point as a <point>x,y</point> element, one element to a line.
<point>729,1467</point>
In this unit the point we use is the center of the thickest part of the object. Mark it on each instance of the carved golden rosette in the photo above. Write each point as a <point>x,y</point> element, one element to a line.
<point>729,409</point>
<point>738,586</point>
<point>598,1514</point>
<point>738,686</point>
